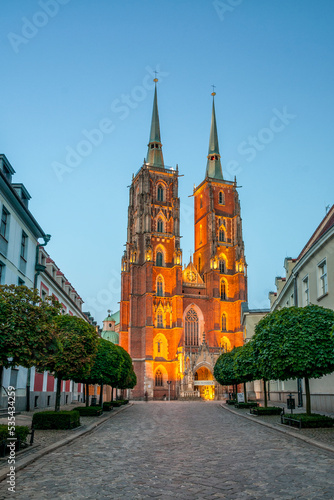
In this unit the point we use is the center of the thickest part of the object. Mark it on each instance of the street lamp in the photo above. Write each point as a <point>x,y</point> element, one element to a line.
<point>169,382</point>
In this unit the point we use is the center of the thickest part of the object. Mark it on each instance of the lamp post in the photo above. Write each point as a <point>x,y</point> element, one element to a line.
<point>169,382</point>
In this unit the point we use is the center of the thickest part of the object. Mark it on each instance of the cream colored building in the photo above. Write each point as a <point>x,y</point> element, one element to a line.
<point>309,279</point>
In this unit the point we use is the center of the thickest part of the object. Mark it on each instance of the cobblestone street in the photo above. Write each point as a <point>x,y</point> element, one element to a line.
<point>186,450</point>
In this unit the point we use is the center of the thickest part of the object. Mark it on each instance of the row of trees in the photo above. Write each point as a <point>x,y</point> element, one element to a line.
<point>293,342</point>
<point>34,333</point>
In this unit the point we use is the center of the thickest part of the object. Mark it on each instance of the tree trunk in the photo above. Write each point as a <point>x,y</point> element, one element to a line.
<point>308,396</point>
<point>57,405</point>
<point>101,395</point>
<point>265,393</point>
<point>87,394</point>
<point>245,392</point>
<point>112,394</point>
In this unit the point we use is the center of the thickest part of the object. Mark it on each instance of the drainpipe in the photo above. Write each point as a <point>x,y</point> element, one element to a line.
<point>38,269</point>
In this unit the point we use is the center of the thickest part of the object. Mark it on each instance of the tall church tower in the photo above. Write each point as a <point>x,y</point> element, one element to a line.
<point>219,248</point>
<point>175,322</point>
<point>151,302</point>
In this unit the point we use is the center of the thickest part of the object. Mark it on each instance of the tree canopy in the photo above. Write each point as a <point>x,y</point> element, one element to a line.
<point>295,342</point>
<point>224,370</point>
<point>27,326</point>
<point>76,344</point>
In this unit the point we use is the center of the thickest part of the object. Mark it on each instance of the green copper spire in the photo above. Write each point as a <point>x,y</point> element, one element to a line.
<point>154,153</point>
<point>213,167</point>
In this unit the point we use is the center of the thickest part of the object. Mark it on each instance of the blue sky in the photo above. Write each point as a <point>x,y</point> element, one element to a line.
<point>73,66</point>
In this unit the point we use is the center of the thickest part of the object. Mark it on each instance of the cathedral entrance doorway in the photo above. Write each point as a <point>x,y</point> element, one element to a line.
<point>204,383</point>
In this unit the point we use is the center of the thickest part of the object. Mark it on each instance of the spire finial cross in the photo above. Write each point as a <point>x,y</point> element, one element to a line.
<point>213,90</point>
<point>155,79</point>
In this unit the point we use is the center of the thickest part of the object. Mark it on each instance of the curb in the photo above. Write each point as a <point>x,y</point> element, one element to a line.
<point>311,441</point>
<point>20,464</point>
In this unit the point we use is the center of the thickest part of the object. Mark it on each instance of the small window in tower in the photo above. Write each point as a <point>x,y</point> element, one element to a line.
<point>160,291</point>
<point>160,226</point>
<point>223,290</point>
<point>109,325</point>
<point>159,259</point>
<point>224,323</point>
<point>221,235</point>
<point>158,378</point>
<point>160,193</point>
<point>222,266</point>
<point>159,320</point>
<point>152,146</point>
<point>199,264</point>
<point>221,198</point>
<point>200,202</point>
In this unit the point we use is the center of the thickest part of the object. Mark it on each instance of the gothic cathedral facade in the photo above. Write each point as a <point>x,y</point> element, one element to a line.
<point>176,320</point>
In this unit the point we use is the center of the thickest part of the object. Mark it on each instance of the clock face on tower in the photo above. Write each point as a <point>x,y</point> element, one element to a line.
<point>191,276</point>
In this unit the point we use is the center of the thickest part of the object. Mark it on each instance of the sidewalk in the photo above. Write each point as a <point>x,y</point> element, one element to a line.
<point>322,438</point>
<point>46,441</point>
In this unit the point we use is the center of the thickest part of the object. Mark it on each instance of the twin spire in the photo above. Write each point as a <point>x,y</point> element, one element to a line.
<point>154,152</point>
<point>213,166</point>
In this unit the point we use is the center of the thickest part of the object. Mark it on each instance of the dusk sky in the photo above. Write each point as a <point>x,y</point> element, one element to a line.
<point>72,67</point>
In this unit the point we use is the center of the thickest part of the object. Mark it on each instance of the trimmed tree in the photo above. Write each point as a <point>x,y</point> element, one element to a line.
<point>128,378</point>
<point>106,367</point>
<point>27,326</point>
<point>245,366</point>
<point>224,370</point>
<point>295,342</point>
<point>76,346</point>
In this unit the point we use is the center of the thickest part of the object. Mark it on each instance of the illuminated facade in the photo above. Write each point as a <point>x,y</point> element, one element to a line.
<point>176,321</point>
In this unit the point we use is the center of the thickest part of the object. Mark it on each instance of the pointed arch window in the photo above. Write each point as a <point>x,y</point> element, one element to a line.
<point>160,323</point>
<point>223,290</point>
<point>160,193</point>
<point>191,328</point>
<point>159,378</point>
<point>160,287</point>
<point>160,226</point>
<point>159,260</point>
<point>222,267</point>
<point>221,198</point>
<point>224,322</point>
<point>221,234</point>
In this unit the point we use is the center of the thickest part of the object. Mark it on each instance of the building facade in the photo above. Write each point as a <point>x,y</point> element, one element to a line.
<point>309,279</point>
<point>24,261</point>
<point>175,321</point>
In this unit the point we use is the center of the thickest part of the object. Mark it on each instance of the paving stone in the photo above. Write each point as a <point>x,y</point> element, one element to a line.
<point>179,450</point>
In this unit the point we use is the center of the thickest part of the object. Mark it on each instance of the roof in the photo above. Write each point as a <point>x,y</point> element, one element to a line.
<point>326,223</point>
<point>113,317</point>
<point>110,336</point>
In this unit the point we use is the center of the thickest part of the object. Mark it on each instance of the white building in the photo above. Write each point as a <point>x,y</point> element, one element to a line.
<point>309,279</point>
<point>24,261</point>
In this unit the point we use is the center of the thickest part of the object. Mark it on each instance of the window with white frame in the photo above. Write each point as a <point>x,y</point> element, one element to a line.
<point>24,242</point>
<point>4,223</point>
<point>322,276</point>
<point>306,292</point>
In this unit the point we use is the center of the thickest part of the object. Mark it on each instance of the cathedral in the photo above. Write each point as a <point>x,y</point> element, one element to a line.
<point>175,319</point>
